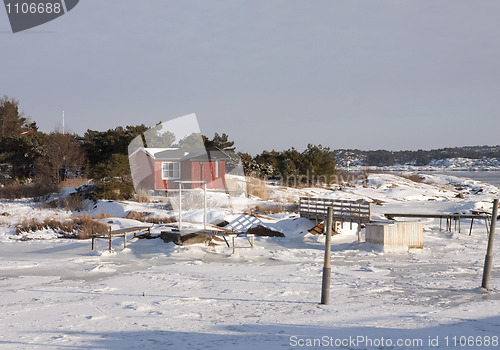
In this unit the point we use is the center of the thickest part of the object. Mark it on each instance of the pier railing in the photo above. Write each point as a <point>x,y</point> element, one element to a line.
<point>343,210</point>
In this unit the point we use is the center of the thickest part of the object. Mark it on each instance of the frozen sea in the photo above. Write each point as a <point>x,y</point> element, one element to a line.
<point>491,177</point>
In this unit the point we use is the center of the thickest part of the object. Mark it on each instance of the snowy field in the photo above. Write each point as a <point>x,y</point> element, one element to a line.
<point>57,294</point>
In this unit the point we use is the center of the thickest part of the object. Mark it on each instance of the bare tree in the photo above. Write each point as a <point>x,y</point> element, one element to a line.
<point>63,158</point>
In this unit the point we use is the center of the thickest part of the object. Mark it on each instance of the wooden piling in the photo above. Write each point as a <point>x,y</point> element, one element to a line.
<point>110,239</point>
<point>489,252</point>
<point>325,285</point>
<point>350,222</point>
<point>180,207</point>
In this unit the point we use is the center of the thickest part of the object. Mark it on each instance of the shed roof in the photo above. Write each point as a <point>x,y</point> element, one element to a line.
<point>210,154</point>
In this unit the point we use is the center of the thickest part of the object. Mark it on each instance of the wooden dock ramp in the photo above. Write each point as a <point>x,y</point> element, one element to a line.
<point>344,211</point>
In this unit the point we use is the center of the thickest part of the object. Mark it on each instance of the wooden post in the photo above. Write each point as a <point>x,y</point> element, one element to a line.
<point>110,239</point>
<point>93,238</point>
<point>342,214</point>
<point>204,205</point>
<point>489,252</point>
<point>350,214</point>
<point>124,240</point>
<point>325,286</point>
<point>471,223</point>
<point>180,206</point>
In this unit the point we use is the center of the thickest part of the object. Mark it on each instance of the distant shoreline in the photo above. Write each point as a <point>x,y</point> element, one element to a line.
<point>489,175</point>
<point>420,168</point>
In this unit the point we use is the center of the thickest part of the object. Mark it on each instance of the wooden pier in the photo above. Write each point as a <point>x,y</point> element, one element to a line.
<point>360,212</point>
<point>119,233</point>
<point>448,216</point>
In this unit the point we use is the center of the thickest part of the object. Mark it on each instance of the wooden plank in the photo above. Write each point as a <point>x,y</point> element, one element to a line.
<point>121,232</point>
<point>131,229</point>
<point>321,229</point>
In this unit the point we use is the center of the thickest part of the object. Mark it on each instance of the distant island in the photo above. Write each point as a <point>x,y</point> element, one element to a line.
<point>456,158</point>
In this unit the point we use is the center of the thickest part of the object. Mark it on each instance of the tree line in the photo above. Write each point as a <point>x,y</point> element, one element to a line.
<point>31,157</point>
<point>418,157</point>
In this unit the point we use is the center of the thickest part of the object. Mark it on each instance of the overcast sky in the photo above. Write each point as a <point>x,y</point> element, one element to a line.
<point>362,74</point>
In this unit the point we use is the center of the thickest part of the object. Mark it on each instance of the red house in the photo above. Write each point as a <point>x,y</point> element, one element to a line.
<point>160,169</point>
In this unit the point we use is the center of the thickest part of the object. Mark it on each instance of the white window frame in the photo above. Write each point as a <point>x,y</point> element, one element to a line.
<point>176,173</point>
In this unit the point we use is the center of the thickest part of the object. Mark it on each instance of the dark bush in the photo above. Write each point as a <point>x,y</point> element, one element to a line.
<point>108,190</point>
<point>37,191</point>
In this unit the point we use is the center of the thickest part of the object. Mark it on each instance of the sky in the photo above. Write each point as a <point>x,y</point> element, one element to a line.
<point>272,74</point>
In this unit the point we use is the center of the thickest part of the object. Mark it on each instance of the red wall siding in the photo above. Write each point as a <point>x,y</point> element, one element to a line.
<point>142,167</point>
<point>208,174</point>
<point>193,171</point>
<point>158,180</point>
<point>186,173</point>
<point>161,184</point>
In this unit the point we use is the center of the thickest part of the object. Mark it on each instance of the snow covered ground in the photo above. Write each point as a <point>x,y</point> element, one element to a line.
<point>57,294</point>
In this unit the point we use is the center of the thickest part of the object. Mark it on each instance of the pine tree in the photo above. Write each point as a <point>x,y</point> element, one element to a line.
<point>221,142</point>
<point>18,151</point>
<point>12,123</point>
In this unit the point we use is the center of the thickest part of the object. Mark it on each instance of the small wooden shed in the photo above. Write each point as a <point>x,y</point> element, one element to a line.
<point>396,234</point>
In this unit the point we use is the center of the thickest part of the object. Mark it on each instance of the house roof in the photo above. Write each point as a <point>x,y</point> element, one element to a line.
<point>210,154</point>
<point>170,153</point>
<point>184,154</point>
